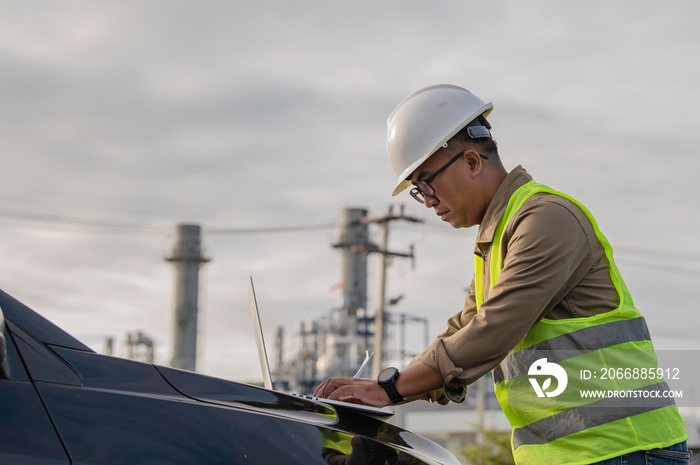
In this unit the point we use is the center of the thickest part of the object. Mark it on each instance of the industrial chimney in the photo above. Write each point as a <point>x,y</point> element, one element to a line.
<point>187,258</point>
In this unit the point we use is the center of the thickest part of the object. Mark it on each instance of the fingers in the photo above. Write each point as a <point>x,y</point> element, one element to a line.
<point>331,384</point>
<point>320,388</point>
<point>355,390</point>
<point>366,392</point>
<point>341,393</point>
<point>324,388</point>
<point>352,394</point>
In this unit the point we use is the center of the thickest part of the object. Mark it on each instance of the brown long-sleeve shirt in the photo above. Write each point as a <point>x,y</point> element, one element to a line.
<point>553,266</point>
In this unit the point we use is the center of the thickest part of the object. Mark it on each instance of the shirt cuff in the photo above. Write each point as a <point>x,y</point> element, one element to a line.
<point>453,389</point>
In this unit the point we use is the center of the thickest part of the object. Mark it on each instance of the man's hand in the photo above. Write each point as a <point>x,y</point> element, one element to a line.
<point>414,383</point>
<point>354,390</point>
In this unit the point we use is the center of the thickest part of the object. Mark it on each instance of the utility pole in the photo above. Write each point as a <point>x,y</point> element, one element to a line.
<point>279,343</point>
<point>187,258</point>
<point>380,316</point>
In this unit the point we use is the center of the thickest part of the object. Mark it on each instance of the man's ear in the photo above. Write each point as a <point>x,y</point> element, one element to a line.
<point>474,161</point>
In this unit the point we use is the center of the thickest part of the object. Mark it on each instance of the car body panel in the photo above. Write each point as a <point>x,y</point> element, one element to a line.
<point>40,361</point>
<point>346,420</point>
<point>26,433</point>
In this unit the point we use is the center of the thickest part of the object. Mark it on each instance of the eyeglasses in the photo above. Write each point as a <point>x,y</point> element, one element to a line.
<point>423,187</point>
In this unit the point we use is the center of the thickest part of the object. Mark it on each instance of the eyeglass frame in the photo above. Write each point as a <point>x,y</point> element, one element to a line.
<point>419,191</point>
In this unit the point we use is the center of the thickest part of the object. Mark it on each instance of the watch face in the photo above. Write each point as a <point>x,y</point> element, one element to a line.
<point>386,375</point>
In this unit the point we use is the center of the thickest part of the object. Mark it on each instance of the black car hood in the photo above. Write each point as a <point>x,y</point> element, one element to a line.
<point>218,391</point>
<point>336,418</point>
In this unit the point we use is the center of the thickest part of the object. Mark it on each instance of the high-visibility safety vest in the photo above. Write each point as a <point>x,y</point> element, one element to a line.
<point>611,353</point>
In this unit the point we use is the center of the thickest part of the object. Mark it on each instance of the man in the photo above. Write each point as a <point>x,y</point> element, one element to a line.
<point>546,302</point>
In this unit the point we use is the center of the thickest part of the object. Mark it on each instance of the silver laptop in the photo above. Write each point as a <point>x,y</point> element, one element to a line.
<point>265,364</point>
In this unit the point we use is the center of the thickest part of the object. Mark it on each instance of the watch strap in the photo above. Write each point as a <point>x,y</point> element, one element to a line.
<point>393,394</point>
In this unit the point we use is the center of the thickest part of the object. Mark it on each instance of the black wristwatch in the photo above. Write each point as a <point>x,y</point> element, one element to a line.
<point>387,380</point>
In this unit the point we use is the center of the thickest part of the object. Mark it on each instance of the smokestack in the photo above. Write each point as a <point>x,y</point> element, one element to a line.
<point>187,258</point>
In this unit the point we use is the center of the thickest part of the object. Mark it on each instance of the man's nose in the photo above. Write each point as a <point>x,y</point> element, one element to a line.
<point>430,200</point>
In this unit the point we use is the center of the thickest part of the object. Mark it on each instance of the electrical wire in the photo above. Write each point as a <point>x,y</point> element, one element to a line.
<point>660,264</point>
<point>683,333</point>
<point>43,221</point>
<point>271,229</point>
<point>657,254</point>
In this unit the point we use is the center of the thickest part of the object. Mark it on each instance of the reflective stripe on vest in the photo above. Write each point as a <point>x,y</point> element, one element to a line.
<point>568,428</point>
<point>597,413</point>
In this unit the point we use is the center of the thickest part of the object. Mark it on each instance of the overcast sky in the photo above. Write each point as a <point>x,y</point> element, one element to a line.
<point>121,119</point>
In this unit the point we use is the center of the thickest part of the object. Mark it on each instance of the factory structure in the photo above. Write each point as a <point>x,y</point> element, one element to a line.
<point>187,258</point>
<point>337,343</point>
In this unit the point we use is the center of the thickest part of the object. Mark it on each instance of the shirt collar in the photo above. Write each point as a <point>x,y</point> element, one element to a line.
<point>514,180</point>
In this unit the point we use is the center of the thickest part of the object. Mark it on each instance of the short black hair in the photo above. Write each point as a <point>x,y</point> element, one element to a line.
<point>485,145</point>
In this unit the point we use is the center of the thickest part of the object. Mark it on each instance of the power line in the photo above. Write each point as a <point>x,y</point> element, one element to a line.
<point>658,264</point>
<point>45,221</point>
<point>657,254</point>
<point>271,229</point>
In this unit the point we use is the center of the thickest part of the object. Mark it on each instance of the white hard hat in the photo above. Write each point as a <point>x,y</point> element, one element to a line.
<point>424,122</point>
